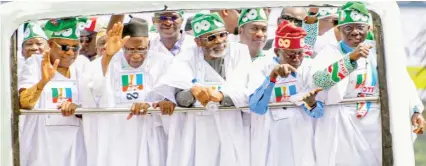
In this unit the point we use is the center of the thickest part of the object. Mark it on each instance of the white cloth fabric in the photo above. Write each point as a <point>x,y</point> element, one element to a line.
<point>175,121</point>
<point>327,39</point>
<point>52,140</point>
<point>281,136</point>
<point>157,46</point>
<point>208,139</point>
<point>341,138</point>
<point>234,38</point>
<point>111,139</point>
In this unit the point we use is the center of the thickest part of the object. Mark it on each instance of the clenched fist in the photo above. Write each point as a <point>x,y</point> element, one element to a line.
<point>201,94</point>
<point>361,51</point>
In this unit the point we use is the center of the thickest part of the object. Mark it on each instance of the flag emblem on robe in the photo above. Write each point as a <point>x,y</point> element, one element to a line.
<point>132,82</point>
<point>360,80</point>
<point>283,92</point>
<point>61,94</point>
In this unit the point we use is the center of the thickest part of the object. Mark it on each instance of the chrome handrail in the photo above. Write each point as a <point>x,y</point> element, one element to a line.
<point>180,109</point>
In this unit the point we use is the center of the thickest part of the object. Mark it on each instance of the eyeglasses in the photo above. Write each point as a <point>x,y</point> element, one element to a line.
<point>166,18</point>
<point>294,54</point>
<point>351,27</point>
<point>66,48</point>
<point>135,50</point>
<point>215,36</point>
<point>296,21</point>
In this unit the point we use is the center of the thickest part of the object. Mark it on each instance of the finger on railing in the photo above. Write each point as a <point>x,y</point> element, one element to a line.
<point>180,109</point>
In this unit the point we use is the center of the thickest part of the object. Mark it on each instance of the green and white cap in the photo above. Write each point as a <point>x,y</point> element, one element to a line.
<point>203,23</point>
<point>327,12</point>
<point>33,30</point>
<point>67,28</point>
<point>252,15</point>
<point>353,12</point>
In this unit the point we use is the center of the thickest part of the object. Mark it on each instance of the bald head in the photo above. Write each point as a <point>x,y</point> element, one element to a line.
<point>296,12</point>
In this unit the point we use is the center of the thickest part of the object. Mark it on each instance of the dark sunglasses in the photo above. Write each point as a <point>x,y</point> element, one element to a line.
<point>66,48</point>
<point>213,37</point>
<point>166,18</point>
<point>296,21</point>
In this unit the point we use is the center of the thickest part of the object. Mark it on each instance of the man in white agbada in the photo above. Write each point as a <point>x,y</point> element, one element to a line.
<point>211,73</point>
<point>350,134</point>
<point>253,27</point>
<point>171,40</point>
<point>52,81</point>
<point>283,136</point>
<point>35,42</point>
<point>125,79</point>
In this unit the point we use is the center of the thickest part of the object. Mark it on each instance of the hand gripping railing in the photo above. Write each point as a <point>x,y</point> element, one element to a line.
<point>180,109</point>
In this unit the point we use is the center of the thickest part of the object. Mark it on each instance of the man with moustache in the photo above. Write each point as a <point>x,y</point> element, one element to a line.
<point>210,74</point>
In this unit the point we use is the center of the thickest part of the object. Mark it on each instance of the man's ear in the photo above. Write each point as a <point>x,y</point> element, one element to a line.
<point>224,13</point>
<point>197,41</point>
<point>276,52</point>
<point>241,30</point>
<point>50,42</point>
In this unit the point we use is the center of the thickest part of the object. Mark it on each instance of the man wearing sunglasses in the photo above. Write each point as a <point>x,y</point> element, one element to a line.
<point>52,81</point>
<point>124,77</point>
<point>300,18</point>
<point>282,78</point>
<point>210,74</point>
<point>253,24</point>
<point>171,39</point>
<point>350,71</point>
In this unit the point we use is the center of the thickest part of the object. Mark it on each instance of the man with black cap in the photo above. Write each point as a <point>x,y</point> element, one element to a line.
<point>123,77</point>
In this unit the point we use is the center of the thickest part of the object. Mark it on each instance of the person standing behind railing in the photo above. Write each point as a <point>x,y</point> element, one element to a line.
<point>210,74</point>
<point>351,134</point>
<point>283,136</point>
<point>124,77</point>
<point>52,81</point>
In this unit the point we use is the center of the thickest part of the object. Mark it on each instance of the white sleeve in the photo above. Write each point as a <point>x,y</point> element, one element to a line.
<point>236,85</point>
<point>95,79</point>
<point>30,74</point>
